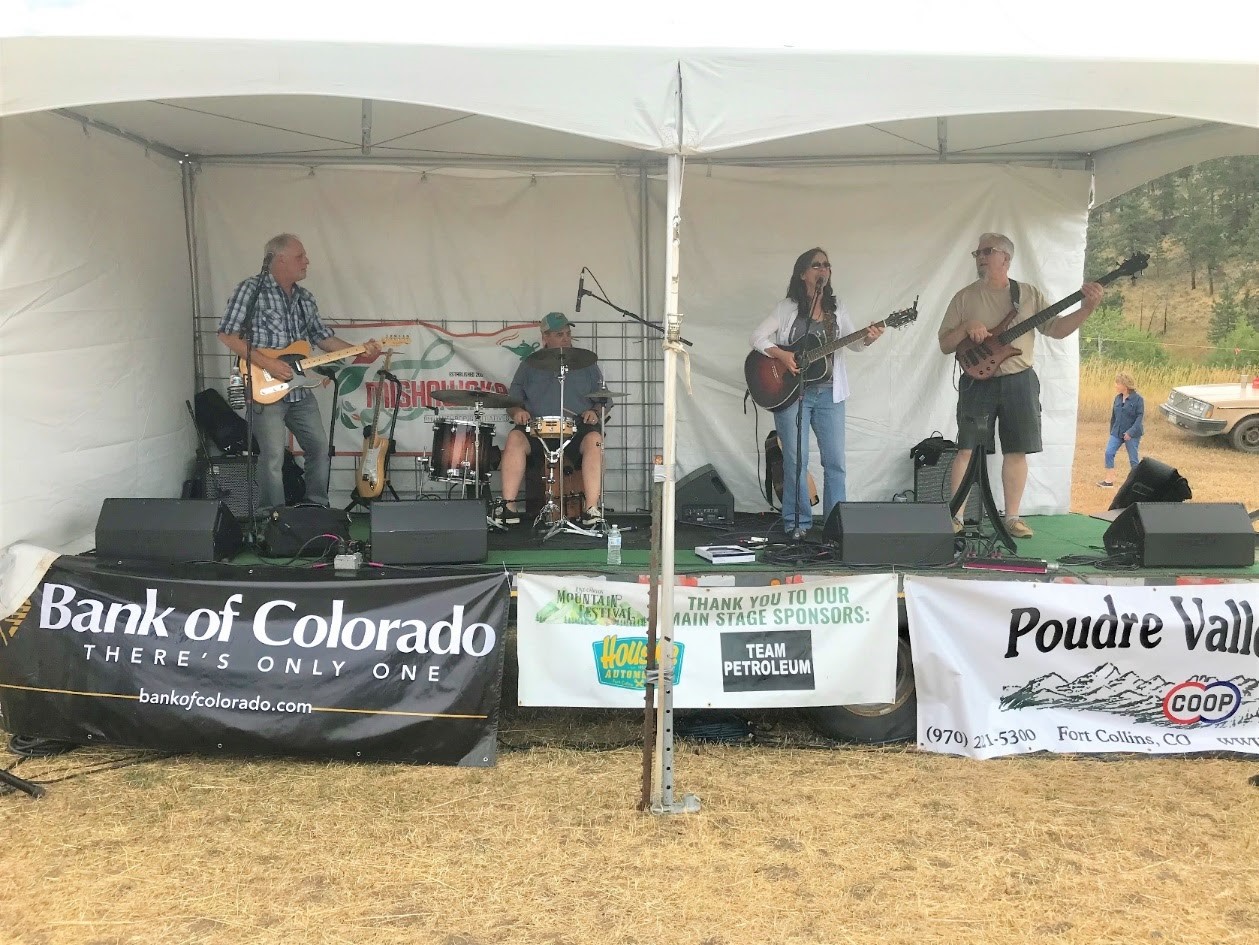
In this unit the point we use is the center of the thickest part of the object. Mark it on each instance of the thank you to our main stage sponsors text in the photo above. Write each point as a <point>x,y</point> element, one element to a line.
<point>821,605</point>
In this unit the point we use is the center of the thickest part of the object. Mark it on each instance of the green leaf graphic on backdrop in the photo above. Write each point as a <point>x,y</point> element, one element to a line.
<point>351,378</point>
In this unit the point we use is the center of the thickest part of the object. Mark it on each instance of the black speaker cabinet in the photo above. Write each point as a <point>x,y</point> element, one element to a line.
<point>701,498</point>
<point>429,532</point>
<point>179,530</point>
<point>1152,481</point>
<point>908,533</point>
<point>1188,534</point>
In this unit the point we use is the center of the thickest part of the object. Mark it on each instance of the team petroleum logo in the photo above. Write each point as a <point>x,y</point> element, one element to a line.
<point>1195,701</point>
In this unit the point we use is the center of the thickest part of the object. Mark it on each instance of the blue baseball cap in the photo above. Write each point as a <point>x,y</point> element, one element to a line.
<point>555,321</point>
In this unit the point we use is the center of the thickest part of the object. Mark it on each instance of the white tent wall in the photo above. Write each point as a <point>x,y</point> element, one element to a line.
<point>892,233</point>
<point>472,249</point>
<point>95,318</point>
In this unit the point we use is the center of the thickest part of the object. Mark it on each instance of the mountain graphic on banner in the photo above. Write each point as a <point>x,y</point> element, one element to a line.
<point>1110,690</point>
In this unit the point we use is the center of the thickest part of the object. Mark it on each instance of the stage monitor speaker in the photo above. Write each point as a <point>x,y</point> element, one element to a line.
<point>1190,534</point>
<point>1152,481</point>
<point>429,532</point>
<point>178,530</point>
<point>907,533</point>
<point>701,498</point>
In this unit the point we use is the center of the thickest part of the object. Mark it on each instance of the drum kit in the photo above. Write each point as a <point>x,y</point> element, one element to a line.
<point>464,453</point>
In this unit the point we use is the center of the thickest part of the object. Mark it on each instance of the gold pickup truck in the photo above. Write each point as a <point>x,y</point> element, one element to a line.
<point>1230,410</point>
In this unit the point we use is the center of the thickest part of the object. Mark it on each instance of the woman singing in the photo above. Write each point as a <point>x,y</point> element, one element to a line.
<point>810,308</point>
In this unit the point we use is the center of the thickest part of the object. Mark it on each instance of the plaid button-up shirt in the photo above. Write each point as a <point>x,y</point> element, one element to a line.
<point>279,319</point>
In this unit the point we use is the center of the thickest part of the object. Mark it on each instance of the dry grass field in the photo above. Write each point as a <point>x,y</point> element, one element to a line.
<point>797,842</point>
<point>1216,472</point>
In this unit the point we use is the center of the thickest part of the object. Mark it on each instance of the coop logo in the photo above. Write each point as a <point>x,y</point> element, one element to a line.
<point>621,662</point>
<point>1193,701</point>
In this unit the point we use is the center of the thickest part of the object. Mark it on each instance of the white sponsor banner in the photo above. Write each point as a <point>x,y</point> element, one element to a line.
<point>1006,667</point>
<point>431,358</point>
<point>583,642</point>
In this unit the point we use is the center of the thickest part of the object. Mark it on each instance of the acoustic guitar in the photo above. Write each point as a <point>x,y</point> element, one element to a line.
<point>372,474</point>
<point>267,389</point>
<point>981,360</point>
<point>773,387</point>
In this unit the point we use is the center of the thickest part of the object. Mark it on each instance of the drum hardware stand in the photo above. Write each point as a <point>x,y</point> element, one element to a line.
<point>556,459</point>
<point>976,476</point>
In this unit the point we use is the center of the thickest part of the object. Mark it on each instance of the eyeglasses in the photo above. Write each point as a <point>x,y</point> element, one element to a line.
<point>820,265</point>
<point>987,251</point>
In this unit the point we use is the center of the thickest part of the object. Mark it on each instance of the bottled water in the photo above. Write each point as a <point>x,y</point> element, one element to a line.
<point>236,391</point>
<point>614,545</point>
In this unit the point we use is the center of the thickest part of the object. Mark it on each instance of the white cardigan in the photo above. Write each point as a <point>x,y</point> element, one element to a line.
<point>776,330</point>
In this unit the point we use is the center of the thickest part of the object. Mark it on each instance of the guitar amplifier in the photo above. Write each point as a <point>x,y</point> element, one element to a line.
<point>701,498</point>
<point>225,478</point>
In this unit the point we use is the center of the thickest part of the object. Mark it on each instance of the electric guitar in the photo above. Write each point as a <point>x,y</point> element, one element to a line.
<point>267,389</point>
<point>371,471</point>
<point>773,387</point>
<point>981,360</point>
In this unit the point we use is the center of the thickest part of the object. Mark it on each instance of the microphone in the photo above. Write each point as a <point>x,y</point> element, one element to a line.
<point>581,290</point>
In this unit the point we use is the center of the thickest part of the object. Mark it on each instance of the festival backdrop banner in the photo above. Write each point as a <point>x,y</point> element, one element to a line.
<point>427,358</point>
<point>1006,667</point>
<point>583,642</point>
<point>392,669</point>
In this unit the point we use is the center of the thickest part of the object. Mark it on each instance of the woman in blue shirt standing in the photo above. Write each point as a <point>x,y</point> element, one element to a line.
<point>1127,423</point>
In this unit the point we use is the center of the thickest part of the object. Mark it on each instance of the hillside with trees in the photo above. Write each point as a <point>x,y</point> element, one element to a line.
<point>1199,299</point>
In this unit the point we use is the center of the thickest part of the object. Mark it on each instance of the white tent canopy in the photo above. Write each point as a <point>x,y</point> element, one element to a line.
<point>912,144</point>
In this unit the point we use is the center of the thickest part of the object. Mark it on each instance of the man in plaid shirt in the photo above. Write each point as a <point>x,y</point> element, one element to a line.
<point>285,313</point>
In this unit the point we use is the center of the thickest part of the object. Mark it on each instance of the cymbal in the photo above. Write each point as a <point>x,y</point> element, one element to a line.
<point>462,397</point>
<point>604,394</point>
<point>548,359</point>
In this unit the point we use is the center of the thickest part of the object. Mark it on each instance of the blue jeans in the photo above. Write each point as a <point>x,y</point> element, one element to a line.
<point>1112,447</point>
<point>302,417</point>
<point>826,419</point>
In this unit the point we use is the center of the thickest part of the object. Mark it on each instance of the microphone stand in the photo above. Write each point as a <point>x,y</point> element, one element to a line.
<point>625,312</point>
<point>797,534</point>
<point>246,334</point>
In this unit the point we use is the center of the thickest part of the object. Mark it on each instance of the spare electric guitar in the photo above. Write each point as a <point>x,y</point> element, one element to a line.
<point>267,389</point>
<point>372,469</point>
<point>981,360</point>
<point>773,387</point>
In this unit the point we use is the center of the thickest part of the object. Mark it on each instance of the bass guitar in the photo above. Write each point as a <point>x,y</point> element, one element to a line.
<point>982,359</point>
<point>267,389</point>
<point>376,448</point>
<point>773,387</point>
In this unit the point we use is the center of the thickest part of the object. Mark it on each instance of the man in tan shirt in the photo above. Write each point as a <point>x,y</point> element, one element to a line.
<point>1009,401</point>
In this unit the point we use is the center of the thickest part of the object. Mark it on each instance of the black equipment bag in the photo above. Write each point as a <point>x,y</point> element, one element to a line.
<point>223,425</point>
<point>307,531</point>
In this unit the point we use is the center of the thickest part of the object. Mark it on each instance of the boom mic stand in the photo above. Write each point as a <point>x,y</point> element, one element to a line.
<point>976,476</point>
<point>583,291</point>
<point>246,334</point>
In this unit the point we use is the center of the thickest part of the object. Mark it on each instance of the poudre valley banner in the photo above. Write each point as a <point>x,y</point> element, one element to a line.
<point>583,642</point>
<point>1005,667</point>
<point>398,669</point>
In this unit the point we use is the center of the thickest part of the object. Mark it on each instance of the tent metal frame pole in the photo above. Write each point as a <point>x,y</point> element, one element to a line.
<point>188,173</point>
<point>644,305</point>
<point>662,788</point>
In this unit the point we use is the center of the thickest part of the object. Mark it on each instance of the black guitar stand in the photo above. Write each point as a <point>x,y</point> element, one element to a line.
<point>356,500</point>
<point>976,476</point>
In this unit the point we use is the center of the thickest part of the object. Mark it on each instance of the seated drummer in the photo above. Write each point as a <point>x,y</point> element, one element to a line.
<point>539,393</point>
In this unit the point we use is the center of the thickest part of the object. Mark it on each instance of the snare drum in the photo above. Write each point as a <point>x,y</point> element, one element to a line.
<point>552,428</point>
<point>455,451</point>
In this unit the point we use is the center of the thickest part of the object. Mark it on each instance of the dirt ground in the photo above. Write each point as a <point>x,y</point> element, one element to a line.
<point>796,842</point>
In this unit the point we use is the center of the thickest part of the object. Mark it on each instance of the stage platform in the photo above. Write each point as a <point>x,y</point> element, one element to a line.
<point>1058,539</point>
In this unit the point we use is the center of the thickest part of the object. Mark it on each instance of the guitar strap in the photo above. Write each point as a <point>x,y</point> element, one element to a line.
<point>1014,295</point>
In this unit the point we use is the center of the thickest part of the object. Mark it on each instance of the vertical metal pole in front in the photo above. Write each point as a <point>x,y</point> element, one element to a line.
<point>662,797</point>
<point>187,176</point>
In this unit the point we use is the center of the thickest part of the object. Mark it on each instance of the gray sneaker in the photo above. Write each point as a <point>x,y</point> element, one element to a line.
<point>591,518</point>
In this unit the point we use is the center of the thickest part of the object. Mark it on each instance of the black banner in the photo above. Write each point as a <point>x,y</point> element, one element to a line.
<point>280,662</point>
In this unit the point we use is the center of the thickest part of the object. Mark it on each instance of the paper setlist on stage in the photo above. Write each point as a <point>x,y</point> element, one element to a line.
<point>583,642</point>
<point>1007,667</point>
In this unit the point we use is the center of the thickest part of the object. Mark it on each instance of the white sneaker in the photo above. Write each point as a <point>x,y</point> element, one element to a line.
<point>591,518</point>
